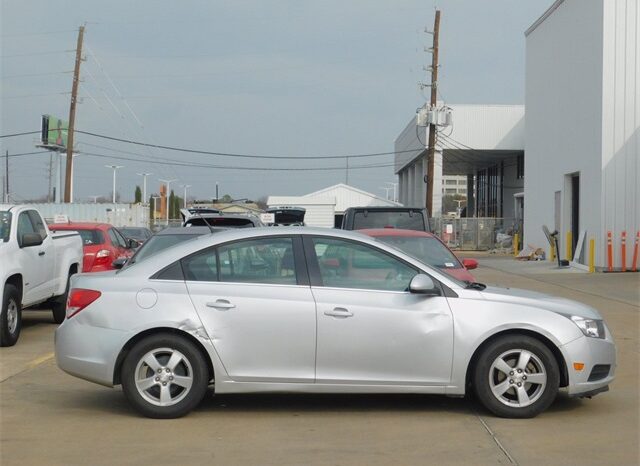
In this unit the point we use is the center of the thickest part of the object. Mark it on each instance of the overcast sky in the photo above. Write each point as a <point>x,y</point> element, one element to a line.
<point>286,78</point>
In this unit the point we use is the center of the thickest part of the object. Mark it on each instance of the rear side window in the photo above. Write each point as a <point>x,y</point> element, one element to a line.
<point>407,220</point>
<point>201,267</point>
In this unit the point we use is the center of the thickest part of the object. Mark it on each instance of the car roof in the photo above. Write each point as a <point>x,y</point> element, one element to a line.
<point>378,232</point>
<point>189,230</point>
<point>83,225</point>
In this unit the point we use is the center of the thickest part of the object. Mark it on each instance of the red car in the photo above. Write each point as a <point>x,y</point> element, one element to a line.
<point>427,248</point>
<point>102,244</point>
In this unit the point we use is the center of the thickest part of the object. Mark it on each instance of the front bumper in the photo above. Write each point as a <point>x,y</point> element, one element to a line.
<point>88,352</point>
<point>591,352</point>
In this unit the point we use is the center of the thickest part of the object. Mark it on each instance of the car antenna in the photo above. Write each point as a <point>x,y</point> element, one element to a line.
<point>187,214</point>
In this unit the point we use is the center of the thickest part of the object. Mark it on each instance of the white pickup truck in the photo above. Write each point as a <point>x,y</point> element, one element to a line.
<point>35,266</point>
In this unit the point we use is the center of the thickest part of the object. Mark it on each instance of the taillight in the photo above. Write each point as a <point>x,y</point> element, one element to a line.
<point>80,298</point>
<point>103,257</point>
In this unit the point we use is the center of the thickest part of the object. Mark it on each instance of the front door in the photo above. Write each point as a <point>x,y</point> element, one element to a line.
<point>256,305</point>
<point>36,261</point>
<point>370,328</point>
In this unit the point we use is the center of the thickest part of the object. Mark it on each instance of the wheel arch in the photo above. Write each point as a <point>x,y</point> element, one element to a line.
<point>557,354</point>
<point>15,280</point>
<point>155,331</point>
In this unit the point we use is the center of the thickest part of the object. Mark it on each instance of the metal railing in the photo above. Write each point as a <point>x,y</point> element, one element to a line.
<point>477,234</point>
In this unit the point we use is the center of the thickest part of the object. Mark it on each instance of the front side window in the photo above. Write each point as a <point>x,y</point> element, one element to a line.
<point>116,239</point>
<point>347,264</point>
<point>24,225</point>
<point>428,250</point>
<point>267,260</point>
<point>38,224</point>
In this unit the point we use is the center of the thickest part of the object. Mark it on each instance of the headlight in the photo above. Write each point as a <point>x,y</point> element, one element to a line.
<point>590,327</point>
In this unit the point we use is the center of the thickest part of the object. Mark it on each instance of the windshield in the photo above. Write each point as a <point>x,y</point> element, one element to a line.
<point>159,243</point>
<point>407,220</point>
<point>5,225</point>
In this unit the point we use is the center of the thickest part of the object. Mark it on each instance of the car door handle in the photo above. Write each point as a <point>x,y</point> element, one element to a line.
<point>338,312</point>
<point>221,304</point>
<point>41,253</point>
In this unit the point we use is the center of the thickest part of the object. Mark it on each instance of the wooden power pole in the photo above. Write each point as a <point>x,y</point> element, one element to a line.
<point>432,127</point>
<point>68,181</point>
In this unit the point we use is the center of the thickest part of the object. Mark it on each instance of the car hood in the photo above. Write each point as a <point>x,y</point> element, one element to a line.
<point>566,307</point>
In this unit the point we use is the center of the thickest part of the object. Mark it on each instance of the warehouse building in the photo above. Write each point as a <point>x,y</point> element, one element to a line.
<point>582,133</point>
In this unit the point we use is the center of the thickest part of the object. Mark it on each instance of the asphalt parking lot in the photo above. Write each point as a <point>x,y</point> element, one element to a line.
<point>48,417</point>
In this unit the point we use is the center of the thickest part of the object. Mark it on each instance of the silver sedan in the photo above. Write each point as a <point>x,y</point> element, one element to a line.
<point>322,311</point>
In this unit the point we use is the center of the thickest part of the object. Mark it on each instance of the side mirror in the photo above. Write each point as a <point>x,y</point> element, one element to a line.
<point>423,284</point>
<point>119,263</point>
<point>132,243</point>
<point>30,239</point>
<point>470,264</point>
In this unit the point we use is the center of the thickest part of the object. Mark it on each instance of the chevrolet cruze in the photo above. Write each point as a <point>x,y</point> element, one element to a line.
<point>297,309</point>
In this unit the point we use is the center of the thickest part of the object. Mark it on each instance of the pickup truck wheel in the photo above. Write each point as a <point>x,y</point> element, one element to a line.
<point>10,316</point>
<point>59,304</point>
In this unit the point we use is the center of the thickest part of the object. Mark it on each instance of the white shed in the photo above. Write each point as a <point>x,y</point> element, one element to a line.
<point>347,196</point>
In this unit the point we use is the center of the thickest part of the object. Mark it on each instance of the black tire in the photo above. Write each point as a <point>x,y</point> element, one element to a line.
<point>10,316</point>
<point>59,303</point>
<point>517,401</point>
<point>192,365</point>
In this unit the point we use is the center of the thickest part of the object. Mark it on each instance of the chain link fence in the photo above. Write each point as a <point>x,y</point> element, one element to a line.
<point>477,234</point>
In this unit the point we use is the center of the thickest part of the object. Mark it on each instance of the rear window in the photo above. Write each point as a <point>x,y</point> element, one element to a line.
<point>90,237</point>
<point>229,222</point>
<point>408,220</point>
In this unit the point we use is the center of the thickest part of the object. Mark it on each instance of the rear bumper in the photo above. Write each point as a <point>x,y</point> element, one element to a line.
<point>88,352</point>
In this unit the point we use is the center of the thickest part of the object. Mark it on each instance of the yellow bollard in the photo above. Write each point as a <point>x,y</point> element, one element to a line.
<point>515,244</point>
<point>592,255</point>
<point>569,246</point>
<point>552,253</point>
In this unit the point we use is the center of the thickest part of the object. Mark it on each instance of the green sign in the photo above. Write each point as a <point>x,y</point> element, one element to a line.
<point>54,132</point>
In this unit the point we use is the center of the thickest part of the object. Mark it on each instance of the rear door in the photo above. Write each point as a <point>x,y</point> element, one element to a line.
<point>254,299</point>
<point>371,330</point>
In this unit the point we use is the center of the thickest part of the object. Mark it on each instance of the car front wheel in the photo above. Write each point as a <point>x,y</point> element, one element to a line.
<point>10,316</point>
<point>516,376</point>
<point>164,376</point>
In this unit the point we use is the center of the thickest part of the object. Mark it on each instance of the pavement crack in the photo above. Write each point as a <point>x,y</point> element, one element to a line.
<point>495,438</point>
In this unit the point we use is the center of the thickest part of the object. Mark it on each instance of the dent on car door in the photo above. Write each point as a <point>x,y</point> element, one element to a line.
<point>370,328</point>
<point>254,300</point>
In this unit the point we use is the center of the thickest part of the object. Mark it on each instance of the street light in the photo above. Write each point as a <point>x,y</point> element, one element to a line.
<point>185,186</point>
<point>153,211</point>
<point>114,168</point>
<point>168,182</point>
<point>144,186</point>
<point>395,197</point>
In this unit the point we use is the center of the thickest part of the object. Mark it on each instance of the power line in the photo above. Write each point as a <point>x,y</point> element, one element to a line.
<point>18,134</point>
<point>251,156</point>
<point>21,154</point>
<point>38,33</point>
<point>31,54</point>
<point>29,75</point>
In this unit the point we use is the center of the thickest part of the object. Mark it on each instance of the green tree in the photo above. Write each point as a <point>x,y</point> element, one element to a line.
<point>172,199</point>
<point>138,195</point>
<point>226,198</point>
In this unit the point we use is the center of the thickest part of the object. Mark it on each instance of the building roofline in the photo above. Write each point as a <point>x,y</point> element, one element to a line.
<point>544,16</point>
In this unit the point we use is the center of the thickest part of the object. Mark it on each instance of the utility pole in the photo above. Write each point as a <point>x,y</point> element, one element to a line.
<point>6,177</point>
<point>432,127</point>
<point>168,182</point>
<point>114,168</point>
<point>217,192</point>
<point>144,186</point>
<point>72,117</point>
<point>153,211</point>
<point>185,186</point>
<point>347,173</point>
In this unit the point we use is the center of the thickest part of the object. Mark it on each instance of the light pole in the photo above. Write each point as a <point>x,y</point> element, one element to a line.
<point>395,197</point>
<point>386,191</point>
<point>168,182</point>
<point>144,186</point>
<point>114,168</point>
<point>185,186</point>
<point>153,211</point>
<point>95,199</point>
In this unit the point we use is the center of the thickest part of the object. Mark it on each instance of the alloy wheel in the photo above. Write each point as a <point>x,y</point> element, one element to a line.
<point>163,376</point>
<point>12,316</point>
<point>517,378</point>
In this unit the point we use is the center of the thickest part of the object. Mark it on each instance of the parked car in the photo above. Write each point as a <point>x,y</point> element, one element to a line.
<point>164,239</point>
<point>139,234</point>
<point>103,244</point>
<point>287,215</point>
<point>427,248</point>
<point>220,220</point>
<point>35,267</point>
<point>319,310</point>
<point>407,218</point>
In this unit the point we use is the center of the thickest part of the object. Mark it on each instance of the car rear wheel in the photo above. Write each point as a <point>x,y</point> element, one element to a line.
<point>516,376</point>
<point>10,316</point>
<point>164,376</point>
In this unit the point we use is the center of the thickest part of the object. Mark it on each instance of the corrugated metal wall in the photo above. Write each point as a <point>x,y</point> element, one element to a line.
<point>119,215</point>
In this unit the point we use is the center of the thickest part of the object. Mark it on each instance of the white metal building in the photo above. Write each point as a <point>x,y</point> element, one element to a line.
<point>485,144</point>
<point>583,124</point>
<point>326,207</point>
